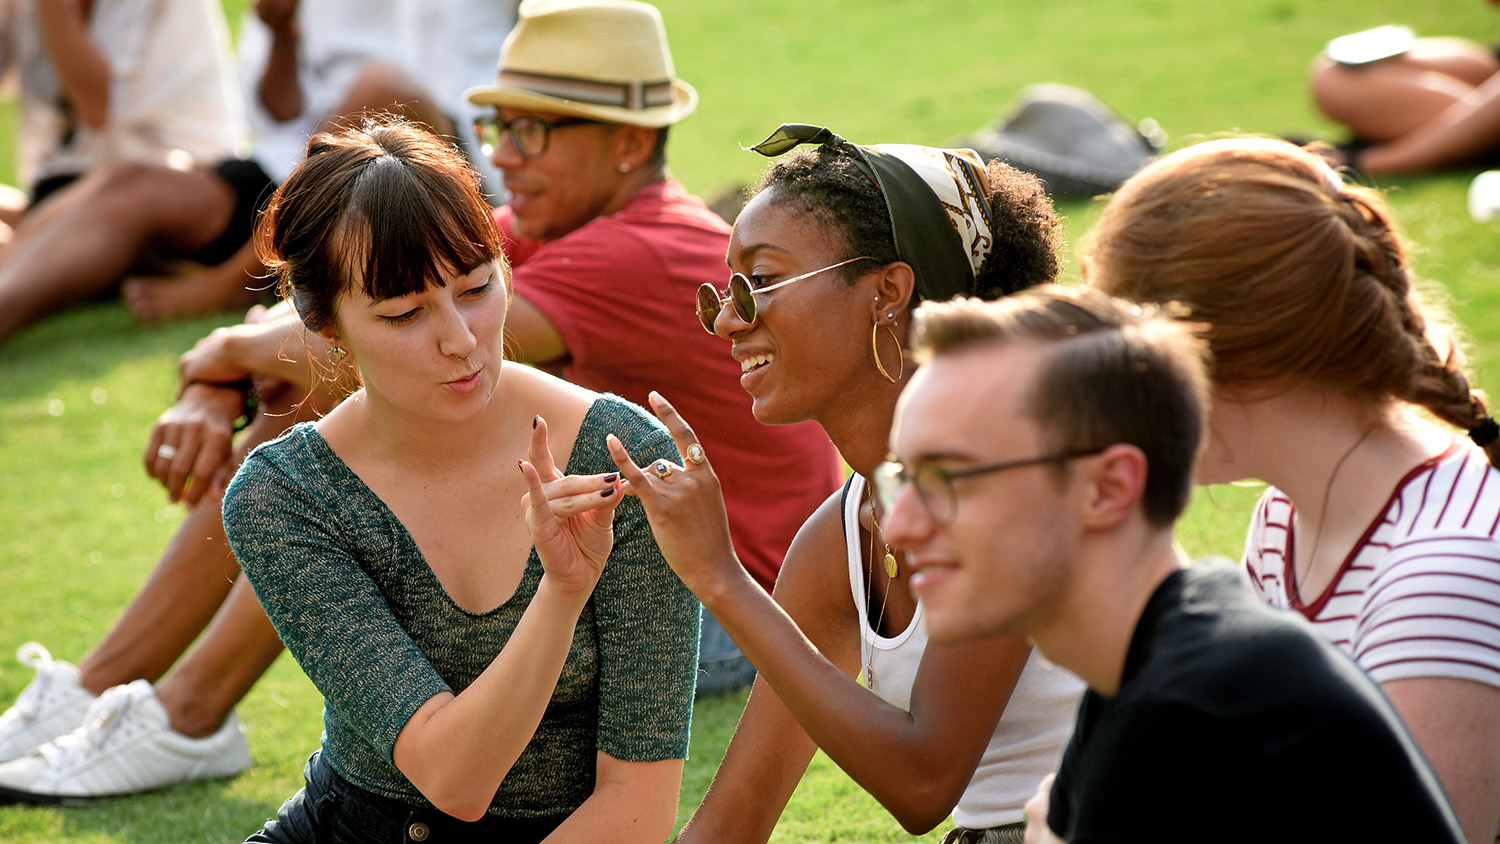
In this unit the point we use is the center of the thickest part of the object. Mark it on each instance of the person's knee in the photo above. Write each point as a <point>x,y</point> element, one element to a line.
<point>129,178</point>
<point>1329,84</point>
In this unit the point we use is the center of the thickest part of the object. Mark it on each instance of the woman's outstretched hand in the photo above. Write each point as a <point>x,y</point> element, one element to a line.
<point>570,517</point>
<point>684,504</point>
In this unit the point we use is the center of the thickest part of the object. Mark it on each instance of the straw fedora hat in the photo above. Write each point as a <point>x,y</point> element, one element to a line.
<point>599,59</point>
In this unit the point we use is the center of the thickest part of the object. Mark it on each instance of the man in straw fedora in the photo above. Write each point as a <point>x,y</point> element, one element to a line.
<point>608,252</point>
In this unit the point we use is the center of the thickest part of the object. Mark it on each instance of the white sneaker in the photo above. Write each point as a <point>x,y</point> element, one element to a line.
<point>53,704</point>
<point>126,745</point>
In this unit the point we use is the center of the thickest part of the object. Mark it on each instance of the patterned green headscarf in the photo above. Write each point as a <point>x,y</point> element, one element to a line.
<point>938,201</point>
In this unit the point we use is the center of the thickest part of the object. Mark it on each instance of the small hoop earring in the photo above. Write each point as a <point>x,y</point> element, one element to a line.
<point>875,347</point>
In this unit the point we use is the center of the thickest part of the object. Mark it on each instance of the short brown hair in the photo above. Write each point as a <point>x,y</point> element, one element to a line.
<point>1115,373</point>
<point>1297,276</point>
<point>384,205</point>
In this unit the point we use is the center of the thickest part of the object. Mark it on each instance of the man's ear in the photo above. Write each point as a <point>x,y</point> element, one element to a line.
<point>633,145</point>
<point>1115,480</point>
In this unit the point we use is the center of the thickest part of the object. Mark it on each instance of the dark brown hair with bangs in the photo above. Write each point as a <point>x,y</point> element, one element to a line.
<point>384,205</point>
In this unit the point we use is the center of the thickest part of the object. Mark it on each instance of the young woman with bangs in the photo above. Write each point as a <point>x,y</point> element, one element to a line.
<point>491,669</point>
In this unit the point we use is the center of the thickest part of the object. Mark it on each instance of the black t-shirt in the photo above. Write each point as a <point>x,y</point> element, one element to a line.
<point>1237,722</point>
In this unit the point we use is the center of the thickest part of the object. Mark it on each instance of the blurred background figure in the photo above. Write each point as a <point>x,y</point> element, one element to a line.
<point>106,82</point>
<point>176,231</point>
<point>308,64</point>
<point>1410,103</point>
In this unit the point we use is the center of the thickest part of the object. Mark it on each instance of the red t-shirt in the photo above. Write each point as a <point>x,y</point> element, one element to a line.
<point>622,292</point>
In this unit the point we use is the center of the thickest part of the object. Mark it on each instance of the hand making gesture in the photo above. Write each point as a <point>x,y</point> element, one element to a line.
<point>570,517</point>
<point>684,505</point>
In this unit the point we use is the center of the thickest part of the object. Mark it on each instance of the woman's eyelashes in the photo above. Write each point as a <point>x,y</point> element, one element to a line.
<point>476,292</point>
<point>402,319</point>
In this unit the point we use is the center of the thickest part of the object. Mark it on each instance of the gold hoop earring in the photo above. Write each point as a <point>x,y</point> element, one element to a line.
<point>875,347</point>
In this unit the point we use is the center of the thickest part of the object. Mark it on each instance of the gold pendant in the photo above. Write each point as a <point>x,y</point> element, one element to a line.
<point>890,564</point>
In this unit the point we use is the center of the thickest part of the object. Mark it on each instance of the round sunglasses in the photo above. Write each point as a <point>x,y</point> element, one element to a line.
<point>741,295</point>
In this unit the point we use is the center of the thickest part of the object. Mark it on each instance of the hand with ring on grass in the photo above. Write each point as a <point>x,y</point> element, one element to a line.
<point>684,505</point>
<point>190,447</point>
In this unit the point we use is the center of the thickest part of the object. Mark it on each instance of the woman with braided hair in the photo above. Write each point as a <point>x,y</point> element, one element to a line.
<point>1338,385</point>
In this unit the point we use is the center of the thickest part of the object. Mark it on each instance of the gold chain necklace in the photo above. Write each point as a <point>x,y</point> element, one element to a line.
<point>890,570</point>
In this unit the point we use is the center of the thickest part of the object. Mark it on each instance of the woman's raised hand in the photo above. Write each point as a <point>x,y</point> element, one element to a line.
<point>684,505</point>
<point>570,517</point>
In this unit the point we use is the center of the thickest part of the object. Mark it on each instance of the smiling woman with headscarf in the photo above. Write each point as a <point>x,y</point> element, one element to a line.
<point>838,246</point>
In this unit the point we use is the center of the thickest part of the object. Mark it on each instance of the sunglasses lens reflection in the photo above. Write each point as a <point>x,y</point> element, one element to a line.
<point>743,298</point>
<point>709,306</point>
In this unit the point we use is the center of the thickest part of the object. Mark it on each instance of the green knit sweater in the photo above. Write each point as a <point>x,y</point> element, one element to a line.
<point>364,615</point>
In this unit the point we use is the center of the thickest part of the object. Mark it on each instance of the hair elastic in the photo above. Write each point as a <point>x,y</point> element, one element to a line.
<point>1486,432</point>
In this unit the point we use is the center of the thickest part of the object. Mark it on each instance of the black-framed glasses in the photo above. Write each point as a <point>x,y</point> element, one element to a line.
<point>528,135</point>
<point>741,294</point>
<point>934,484</point>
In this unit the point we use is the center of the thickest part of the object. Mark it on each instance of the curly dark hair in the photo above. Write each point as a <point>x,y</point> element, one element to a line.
<point>827,184</point>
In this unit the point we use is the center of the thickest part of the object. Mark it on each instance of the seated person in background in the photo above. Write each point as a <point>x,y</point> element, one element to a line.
<point>102,83</point>
<point>858,235</point>
<point>1434,104</point>
<point>303,64</point>
<point>313,62</point>
<point>1336,383</point>
<point>1045,448</point>
<point>675,245</point>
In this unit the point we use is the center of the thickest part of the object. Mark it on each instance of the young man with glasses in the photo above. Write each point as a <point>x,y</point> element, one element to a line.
<point>1046,448</point>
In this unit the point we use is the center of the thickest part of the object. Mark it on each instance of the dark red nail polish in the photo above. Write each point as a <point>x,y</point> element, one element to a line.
<point>534,420</point>
<point>607,493</point>
<point>611,477</point>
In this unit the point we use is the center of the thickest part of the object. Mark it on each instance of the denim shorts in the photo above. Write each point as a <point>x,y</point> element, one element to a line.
<point>330,810</point>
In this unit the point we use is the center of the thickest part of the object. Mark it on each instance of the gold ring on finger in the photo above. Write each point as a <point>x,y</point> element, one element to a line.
<point>662,468</point>
<point>695,453</point>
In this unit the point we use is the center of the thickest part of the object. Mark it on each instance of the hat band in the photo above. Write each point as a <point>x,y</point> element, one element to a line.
<point>634,95</point>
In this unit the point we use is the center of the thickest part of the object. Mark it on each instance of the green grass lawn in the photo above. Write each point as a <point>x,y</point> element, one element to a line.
<point>81,525</point>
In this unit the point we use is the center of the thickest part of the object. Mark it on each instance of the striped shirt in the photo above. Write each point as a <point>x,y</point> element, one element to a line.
<point>1419,595</point>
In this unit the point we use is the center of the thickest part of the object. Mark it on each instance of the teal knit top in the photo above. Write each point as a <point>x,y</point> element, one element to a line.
<point>363,614</point>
